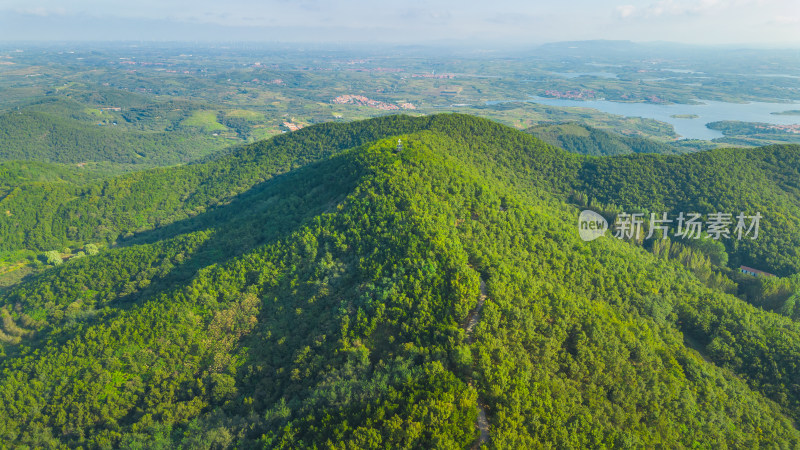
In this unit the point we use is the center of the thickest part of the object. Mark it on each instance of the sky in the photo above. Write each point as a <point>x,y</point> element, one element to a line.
<point>512,22</point>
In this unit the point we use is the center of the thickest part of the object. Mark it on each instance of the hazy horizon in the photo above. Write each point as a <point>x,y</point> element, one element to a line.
<point>774,23</point>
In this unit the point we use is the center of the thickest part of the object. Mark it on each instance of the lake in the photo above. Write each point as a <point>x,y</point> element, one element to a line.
<point>709,111</point>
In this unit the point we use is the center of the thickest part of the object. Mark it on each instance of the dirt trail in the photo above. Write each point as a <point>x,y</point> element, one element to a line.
<point>474,316</point>
<point>473,319</point>
<point>483,426</point>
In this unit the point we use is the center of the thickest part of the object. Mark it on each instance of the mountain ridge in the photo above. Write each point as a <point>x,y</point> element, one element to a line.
<point>129,204</point>
<point>327,309</point>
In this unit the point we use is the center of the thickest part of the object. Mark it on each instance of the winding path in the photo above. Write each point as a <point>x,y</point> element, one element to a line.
<point>474,317</point>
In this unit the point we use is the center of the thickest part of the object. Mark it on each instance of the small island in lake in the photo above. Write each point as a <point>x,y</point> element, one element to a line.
<point>791,112</point>
<point>684,116</point>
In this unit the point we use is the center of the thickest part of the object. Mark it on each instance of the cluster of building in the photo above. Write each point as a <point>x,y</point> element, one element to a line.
<point>141,63</point>
<point>292,126</point>
<point>276,81</point>
<point>128,62</point>
<point>793,128</point>
<point>571,95</point>
<point>361,100</point>
<point>375,69</point>
<point>438,76</point>
<point>654,99</point>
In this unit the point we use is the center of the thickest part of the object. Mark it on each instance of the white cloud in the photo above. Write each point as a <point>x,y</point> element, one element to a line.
<point>672,8</point>
<point>520,21</point>
<point>626,11</point>
<point>786,20</point>
<point>41,11</point>
<point>679,8</point>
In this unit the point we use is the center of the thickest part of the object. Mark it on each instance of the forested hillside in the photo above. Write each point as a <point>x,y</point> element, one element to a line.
<point>43,137</point>
<point>16,173</point>
<point>586,140</point>
<point>764,180</point>
<point>66,131</point>
<point>41,218</point>
<point>314,290</point>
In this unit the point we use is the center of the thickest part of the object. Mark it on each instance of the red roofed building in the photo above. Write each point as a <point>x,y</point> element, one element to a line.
<point>754,272</point>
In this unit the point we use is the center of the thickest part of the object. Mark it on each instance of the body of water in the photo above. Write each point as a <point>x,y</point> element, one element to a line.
<point>777,75</point>
<point>709,111</point>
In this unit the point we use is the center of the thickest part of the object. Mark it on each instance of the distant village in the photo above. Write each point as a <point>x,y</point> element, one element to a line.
<point>588,94</point>
<point>291,126</point>
<point>793,128</point>
<point>437,76</point>
<point>361,100</point>
<point>571,95</point>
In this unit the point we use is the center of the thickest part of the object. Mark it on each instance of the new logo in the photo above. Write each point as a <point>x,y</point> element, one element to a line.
<point>591,225</point>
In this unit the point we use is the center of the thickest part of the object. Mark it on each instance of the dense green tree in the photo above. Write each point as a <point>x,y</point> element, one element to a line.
<point>53,257</point>
<point>315,290</point>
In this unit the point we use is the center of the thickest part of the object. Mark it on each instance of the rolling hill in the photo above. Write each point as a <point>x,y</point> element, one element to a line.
<point>44,217</point>
<point>66,131</point>
<point>586,140</point>
<point>320,289</point>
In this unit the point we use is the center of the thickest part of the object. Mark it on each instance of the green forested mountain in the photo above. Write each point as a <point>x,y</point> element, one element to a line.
<point>322,290</point>
<point>586,140</point>
<point>765,180</point>
<point>52,216</point>
<point>65,131</point>
<point>16,173</point>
